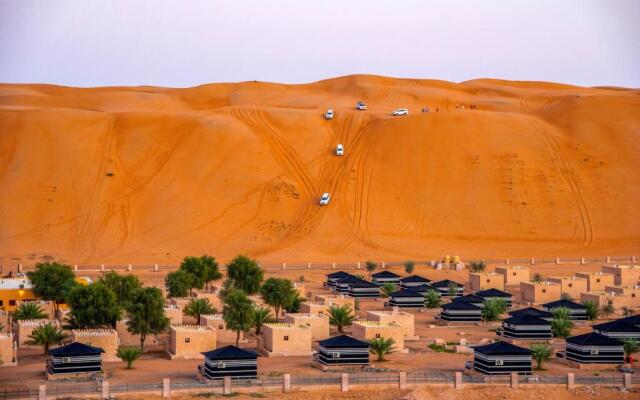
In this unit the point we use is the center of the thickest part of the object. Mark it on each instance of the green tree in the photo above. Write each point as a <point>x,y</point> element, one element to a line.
<point>278,293</point>
<point>28,310</point>
<point>178,283</point>
<point>198,271</point>
<point>432,299</point>
<point>51,281</point>
<point>199,307</point>
<point>297,301</point>
<point>387,288</point>
<point>409,266</point>
<point>212,272</point>
<point>492,309</point>
<point>122,285</point>
<point>591,310</point>
<point>381,347</point>
<point>561,325</point>
<point>238,312</point>
<point>477,266</point>
<point>146,314</point>
<point>129,354</point>
<point>371,266</point>
<point>540,353</point>
<point>261,315</point>
<point>245,274</point>
<point>607,309</point>
<point>341,316</point>
<point>46,336</point>
<point>630,346</point>
<point>93,306</point>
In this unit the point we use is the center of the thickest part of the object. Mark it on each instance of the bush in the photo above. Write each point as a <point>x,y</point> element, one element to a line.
<point>129,354</point>
<point>493,309</point>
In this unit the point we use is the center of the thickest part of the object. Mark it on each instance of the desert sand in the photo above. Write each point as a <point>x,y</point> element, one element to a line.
<point>149,174</point>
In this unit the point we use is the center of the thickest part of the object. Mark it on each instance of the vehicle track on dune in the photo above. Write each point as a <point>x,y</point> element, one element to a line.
<point>570,181</point>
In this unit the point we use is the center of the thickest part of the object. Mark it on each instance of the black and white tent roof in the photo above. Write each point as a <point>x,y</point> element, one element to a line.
<point>230,353</point>
<point>385,274</point>
<point>564,303</point>
<point>469,298</point>
<point>343,341</point>
<point>593,339</point>
<point>76,349</point>
<point>502,348</point>
<point>460,306</point>
<point>617,326</point>
<point>359,283</point>
<point>526,319</point>
<point>493,293</point>
<point>414,279</point>
<point>339,275</point>
<point>445,284</point>
<point>634,319</point>
<point>531,311</point>
<point>419,288</point>
<point>405,293</point>
<point>348,279</point>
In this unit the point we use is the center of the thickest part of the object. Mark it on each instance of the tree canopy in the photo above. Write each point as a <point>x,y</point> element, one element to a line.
<point>146,313</point>
<point>238,312</point>
<point>51,281</point>
<point>199,307</point>
<point>92,306</point>
<point>278,293</point>
<point>178,283</point>
<point>28,310</point>
<point>245,274</point>
<point>122,285</point>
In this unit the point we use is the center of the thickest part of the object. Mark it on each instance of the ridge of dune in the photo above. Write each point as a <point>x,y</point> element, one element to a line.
<point>149,174</point>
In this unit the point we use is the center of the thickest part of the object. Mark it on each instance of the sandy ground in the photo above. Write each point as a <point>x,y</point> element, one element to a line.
<point>148,175</point>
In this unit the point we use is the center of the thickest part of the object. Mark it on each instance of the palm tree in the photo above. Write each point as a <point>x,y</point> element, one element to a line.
<point>492,309</point>
<point>409,266</point>
<point>561,325</point>
<point>381,347</point>
<point>591,310</point>
<point>261,316</point>
<point>341,316</point>
<point>630,346</point>
<point>387,289</point>
<point>129,354</point>
<point>432,299</point>
<point>371,266</point>
<point>540,353</point>
<point>607,309</point>
<point>46,335</point>
<point>199,307</point>
<point>477,266</point>
<point>28,310</point>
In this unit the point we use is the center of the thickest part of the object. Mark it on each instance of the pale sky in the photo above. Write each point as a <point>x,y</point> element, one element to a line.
<point>190,42</point>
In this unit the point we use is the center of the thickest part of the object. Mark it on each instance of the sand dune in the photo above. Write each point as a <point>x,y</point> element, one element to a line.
<point>148,174</point>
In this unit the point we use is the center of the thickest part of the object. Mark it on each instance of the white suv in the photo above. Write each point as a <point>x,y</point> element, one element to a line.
<point>328,114</point>
<point>339,150</point>
<point>325,199</point>
<point>400,111</point>
<point>361,106</point>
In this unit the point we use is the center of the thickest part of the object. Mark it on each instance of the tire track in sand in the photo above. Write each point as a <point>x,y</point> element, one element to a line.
<point>570,180</point>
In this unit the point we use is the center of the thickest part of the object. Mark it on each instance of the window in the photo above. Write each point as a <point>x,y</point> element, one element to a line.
<point>488,280</point>
<point>514,274</point>
<point>286,338</point>
<point>598,280</point>
<point>571,285</point>
<point>377,336</point>
<point>220,326</point>
<point>12,302</point>
<point>1,303</point>
<point>499,362</point>
<point>187,340</point>
<point>544,290</point>
<point>594,352</point>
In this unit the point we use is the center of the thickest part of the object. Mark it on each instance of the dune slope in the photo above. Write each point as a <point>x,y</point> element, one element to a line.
<point>148,174</point>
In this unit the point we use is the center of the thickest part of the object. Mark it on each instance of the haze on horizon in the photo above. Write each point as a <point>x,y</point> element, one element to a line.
<point>164,43</point>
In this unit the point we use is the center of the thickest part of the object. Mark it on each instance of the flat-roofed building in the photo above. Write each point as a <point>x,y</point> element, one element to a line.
<point>13,290</point>
<point>223,335</point>
<point>616,300</point>
<point>633,292</point>
<point>335,300</point>
<point>24,328</point>
<point>623,275</point>
<point>285,339</point>
<point>486,280</point>
<point>540,292</point>
<point>570,286</point>
<point>106,339</point>
<point>404,319</point>
<point>318,323</point>
<point>190,341</point>
<point>174,313</point>
<point>8,350</point>
<point>514,274</point>
<point>597,281</point>
<point>367,330</point>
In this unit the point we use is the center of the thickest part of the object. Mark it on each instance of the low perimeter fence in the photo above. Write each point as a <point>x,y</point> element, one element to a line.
<point>345,266</point>
<point>288,382</point>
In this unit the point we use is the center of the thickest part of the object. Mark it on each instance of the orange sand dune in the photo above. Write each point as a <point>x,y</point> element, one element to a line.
<point>148,174</point>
